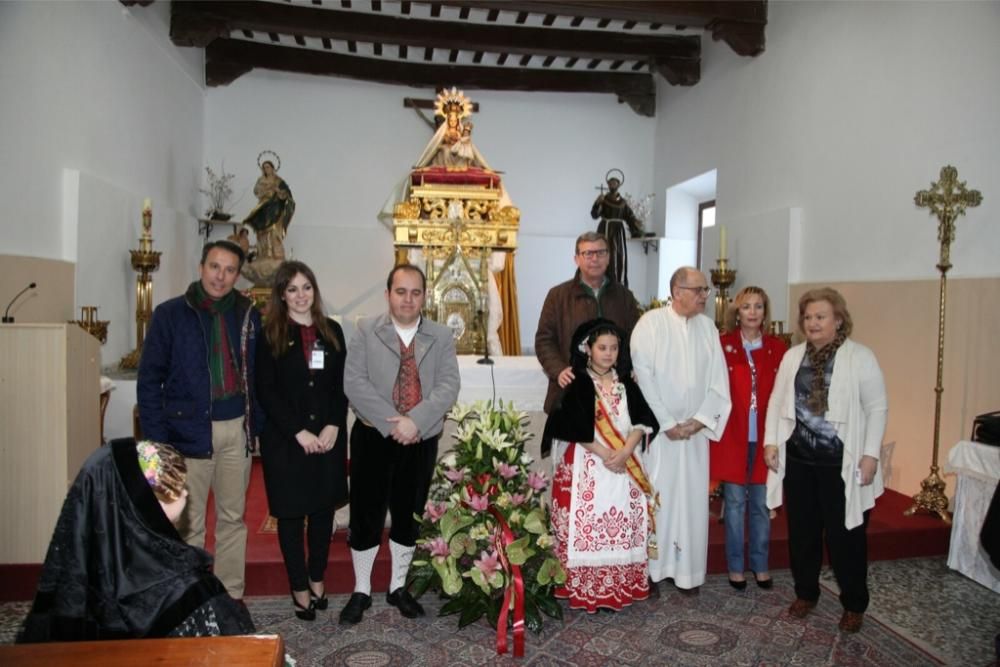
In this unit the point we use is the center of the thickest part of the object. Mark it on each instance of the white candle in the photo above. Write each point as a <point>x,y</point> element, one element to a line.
<point>147,204</point>
<point>722,242</point>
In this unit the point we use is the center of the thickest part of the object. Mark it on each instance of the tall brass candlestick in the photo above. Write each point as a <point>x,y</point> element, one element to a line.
<point>947,200</point>
<point>722,278</point>
<point>145,261</point>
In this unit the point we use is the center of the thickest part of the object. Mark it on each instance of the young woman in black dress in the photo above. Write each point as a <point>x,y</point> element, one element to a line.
<point>300,385</point>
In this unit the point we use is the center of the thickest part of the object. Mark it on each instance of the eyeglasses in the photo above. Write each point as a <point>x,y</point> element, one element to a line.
<point>703,290</point>
<point>591,254</point>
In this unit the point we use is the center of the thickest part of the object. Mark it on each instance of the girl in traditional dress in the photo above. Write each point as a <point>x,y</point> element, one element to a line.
<point>602,503</point>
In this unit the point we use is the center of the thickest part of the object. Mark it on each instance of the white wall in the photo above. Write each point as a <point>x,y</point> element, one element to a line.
<point>95,91</point>
<point>851,110</point>
<point>344,145</point>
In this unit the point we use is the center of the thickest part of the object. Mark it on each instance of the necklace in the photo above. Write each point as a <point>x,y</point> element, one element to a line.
<point>597,372</point>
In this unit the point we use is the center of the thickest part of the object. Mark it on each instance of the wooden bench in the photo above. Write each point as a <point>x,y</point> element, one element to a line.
<point>246,651</point>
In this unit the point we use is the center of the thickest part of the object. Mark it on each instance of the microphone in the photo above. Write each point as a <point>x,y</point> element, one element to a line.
<point>485,361</point>
<point>6,314</point>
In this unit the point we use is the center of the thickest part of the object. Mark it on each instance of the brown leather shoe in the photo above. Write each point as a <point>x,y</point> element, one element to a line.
<point>851,621</point>
<point>801,608</point>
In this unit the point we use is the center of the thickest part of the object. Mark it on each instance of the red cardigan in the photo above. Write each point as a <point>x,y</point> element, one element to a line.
<point>728,457</point>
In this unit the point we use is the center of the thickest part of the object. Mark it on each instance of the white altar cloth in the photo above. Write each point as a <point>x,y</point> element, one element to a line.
<point>977,469</point>
<point>518,379</point>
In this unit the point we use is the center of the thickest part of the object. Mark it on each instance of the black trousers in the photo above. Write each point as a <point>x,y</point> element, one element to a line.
<point>386,475</point>
<point>814,504</point>
<point>290,539</point>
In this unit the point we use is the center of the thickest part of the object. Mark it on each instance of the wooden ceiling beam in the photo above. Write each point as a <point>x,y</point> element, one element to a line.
<point>738,23</point>
<point>227,59</point>
<point>671,12</point>
<point>198,23</point>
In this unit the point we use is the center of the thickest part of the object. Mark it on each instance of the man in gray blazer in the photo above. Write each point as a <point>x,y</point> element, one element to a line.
<point>402,379</point>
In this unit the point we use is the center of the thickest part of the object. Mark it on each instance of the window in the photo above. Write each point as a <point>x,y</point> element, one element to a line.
<point>706,220</point>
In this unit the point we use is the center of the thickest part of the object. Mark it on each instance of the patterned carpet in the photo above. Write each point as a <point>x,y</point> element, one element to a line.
<point>921,614</point>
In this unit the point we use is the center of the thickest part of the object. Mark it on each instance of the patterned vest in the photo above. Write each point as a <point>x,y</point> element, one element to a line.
<point>406,392</point>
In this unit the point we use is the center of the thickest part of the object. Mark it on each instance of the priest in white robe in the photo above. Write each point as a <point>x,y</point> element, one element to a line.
<point>681,371</point>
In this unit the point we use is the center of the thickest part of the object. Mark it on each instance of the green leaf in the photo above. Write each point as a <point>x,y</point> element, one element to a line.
<point>419,586</point>
<point>471,613</point>
<point>458,544</point>
<point>479,579</point>
<point>451,582</point>
<point>452,607</point>
<point>532,619</point>
<point>493,610</point>
<point>560,576</point>
<point>549,605</point>
<point>548,571</point>
<point>519,551</point>
<point>497,580</point>
<point>453,521</point>
<point>535,521</point>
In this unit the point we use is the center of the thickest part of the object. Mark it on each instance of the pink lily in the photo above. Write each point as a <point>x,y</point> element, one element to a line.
<point>435,511</point>
<point>537,481</point>
<point>488,563</point>
<point>517,498</point>
<point>507,471</point>
<point>455,476</point>
<point>438,548</point>
<point>478,503</point>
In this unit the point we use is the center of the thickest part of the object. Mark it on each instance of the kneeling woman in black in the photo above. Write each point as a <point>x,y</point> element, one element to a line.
<point>300,385</point>
<point>117,568</point>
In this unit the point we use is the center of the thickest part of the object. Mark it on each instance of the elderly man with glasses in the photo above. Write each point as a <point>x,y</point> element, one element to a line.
<point>681,371</point>
<point>586,296</point>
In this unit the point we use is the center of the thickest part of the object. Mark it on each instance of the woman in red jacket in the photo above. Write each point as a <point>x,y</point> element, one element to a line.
<point>752,357</point>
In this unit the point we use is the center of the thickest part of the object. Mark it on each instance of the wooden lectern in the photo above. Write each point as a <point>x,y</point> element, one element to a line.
<point>49,424</point>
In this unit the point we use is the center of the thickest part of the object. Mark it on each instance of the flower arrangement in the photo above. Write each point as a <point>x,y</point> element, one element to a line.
<point>654,304</point>
<point>218,192</point>
<point>485,529</point>
<point>641,207</point>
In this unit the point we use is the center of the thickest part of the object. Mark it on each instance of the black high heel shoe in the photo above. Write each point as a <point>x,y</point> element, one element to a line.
<point>318,601</point>
<point>766,584</point>
<point>304,613</point>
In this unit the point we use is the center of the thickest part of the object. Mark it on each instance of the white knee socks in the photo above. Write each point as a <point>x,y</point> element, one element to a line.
<point>363,562</point>
<point>401,557</point>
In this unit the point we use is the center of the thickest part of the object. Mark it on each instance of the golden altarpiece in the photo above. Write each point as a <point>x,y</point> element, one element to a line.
<point>455,220</point>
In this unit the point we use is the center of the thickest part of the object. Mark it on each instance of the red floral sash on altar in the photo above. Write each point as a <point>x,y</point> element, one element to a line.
<point>613,439</point>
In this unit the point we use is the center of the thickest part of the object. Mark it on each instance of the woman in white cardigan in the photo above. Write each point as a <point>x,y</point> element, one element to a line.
<point>822,441</point>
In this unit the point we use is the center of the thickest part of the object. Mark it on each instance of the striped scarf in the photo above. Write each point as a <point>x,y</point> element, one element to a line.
<point>221,360</point>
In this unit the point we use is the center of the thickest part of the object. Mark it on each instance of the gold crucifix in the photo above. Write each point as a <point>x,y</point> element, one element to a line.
<point>947,199</point>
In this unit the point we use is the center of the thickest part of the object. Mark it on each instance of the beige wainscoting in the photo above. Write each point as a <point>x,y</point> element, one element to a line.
<point>51,301</point>
<point>49,424</point>
<point>899,321</point>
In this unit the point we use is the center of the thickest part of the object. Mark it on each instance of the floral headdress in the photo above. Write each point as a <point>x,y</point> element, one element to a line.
<point>149,461</point>
<point>164,469</point>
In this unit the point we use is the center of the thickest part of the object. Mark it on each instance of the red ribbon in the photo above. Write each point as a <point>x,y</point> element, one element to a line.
<point>504,537</point>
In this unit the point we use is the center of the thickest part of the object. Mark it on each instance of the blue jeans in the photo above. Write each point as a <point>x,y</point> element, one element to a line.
<point>742,500</point>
